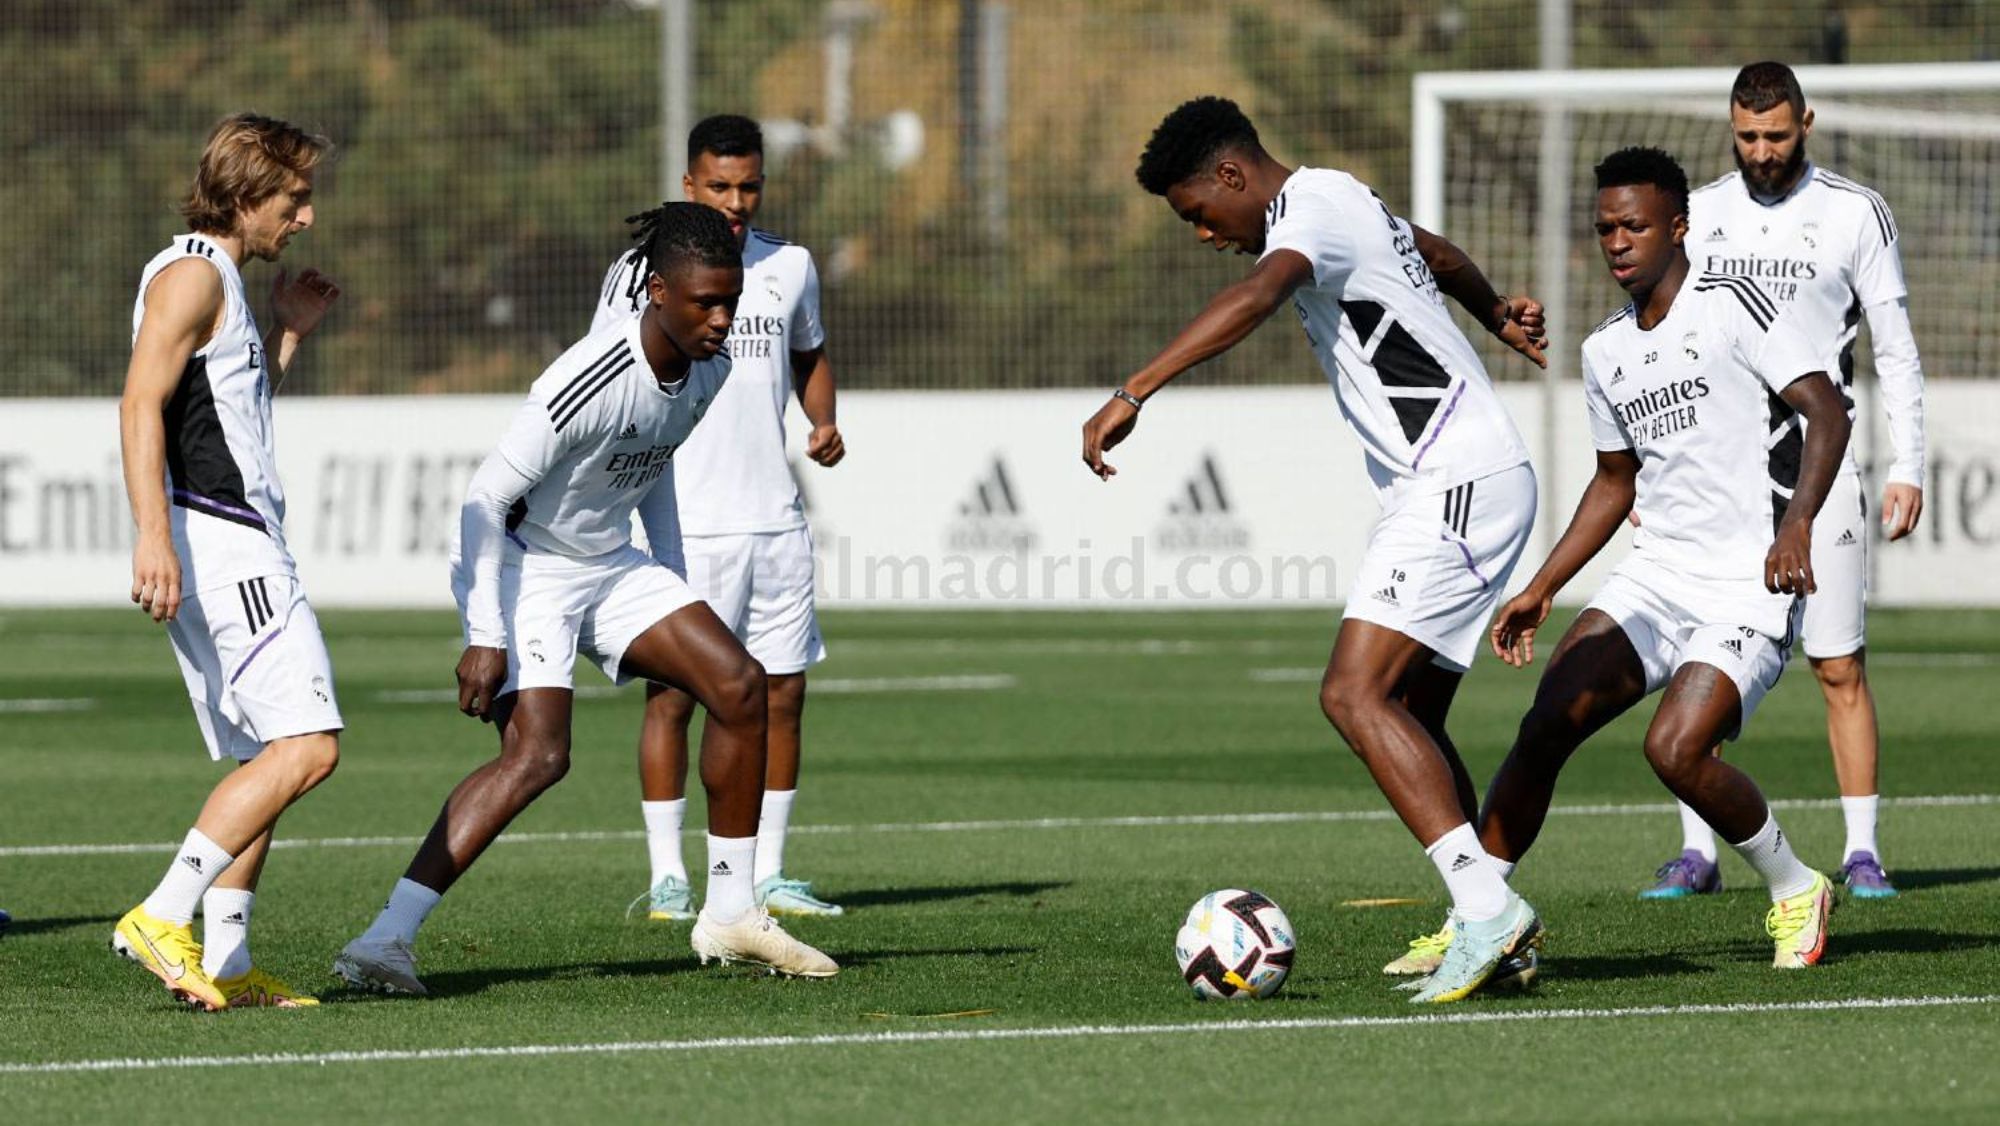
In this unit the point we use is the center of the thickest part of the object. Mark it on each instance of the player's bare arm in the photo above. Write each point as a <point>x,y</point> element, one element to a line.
<point>1230,316</point>
<point>1518,321</point>
<point>298,304</point>
<point>813,375</point>
<point>1788,565</point>
<point>1606,500</point>
<point>183,307</point>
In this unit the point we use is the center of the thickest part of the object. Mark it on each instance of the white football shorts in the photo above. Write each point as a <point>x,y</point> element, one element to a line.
<point>554,606</point>
<point>761,585</point>
<point>255,665</point>
<point>1662,616</point>
<point>1834,623</point>
<point>1436,564</point>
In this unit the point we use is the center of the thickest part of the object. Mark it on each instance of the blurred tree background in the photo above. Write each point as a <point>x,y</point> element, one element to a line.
<point>489,151</point>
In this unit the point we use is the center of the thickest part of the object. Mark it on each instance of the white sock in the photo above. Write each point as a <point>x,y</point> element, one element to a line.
<point>1860,814</point>
<point>663,838</point>
<point>225,931</point>
<point>1696,836</point>
<point>409,905</point>
<point>1771,855</point>
<point>730,891</point>
<point>200,861</point>
<point>1505,867</point>
<point>1478,890</point>
<point>771,826</point>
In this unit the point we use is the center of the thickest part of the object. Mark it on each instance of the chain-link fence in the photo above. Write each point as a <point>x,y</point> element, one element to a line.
<point>962,168</point>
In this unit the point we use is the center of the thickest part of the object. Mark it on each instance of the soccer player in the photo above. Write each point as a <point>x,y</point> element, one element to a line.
<point>1448,466</point>
<point>743,531</point>
<point>589,447</point>
<point>1696,392</point>
<point>209,558</point>
<point>1823,247</point>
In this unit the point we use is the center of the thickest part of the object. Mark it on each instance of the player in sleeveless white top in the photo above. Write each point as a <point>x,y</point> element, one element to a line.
<point>1696,393</point>
<point>747,550</point>
<point>1825,249</point>
<point>547,568</point>
<point>1457,493</point>
<point>209,559</point>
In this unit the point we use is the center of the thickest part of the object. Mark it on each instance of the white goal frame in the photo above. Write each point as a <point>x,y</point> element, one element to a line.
<point>1695,91</point>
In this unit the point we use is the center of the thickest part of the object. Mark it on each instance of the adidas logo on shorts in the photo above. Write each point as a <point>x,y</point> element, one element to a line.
<point>1386,594</point>
<point>1734,645</point>
<point>1846,538</point>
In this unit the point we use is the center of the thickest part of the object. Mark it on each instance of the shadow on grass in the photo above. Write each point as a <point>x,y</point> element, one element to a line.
<point>21,927</point>
<point>886,897</point>
<point>465,983</point>
<point>1623,967</point>
<point>1910,879</point>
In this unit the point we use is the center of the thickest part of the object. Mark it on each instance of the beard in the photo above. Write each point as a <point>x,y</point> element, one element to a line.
<point>1775,182</point>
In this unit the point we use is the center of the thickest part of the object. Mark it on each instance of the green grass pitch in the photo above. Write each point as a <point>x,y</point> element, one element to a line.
<point>1020,844</point>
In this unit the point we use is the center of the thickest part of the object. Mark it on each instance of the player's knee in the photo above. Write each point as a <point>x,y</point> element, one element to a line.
<point>1675,757</point>
<point>740,696</point>
<point>1347,703</point>
<point>310,759</point>
<point>1545,738</point>
<point>786,696</point>
<point>1841,678</point>
<point>538,760</point>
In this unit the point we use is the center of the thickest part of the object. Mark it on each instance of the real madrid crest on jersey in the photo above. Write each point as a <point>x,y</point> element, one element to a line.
<point>1689,352</point>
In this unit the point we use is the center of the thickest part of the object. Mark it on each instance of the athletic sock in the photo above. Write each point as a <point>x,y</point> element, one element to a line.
<point>771,826</point>
<point>1696,836</point>
<point>663,838</point>
<point>1771,855</point>
<point>730,892</point>
<point>200,861</point>
<point>1478,891</point>
<point>1504,867</point>
<point>1860,815</point>
<point>409,905</point>
<point>225,932</point>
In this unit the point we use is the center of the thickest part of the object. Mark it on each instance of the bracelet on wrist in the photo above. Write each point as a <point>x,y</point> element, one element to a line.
<point>1128,397</point>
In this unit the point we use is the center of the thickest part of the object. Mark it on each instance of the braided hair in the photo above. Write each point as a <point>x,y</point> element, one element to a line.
<point>675,235</point>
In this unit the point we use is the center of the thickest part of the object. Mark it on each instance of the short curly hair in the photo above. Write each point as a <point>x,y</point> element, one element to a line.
<point>1190,139</point>
<point>1645,165</point>
<point>678,234</point>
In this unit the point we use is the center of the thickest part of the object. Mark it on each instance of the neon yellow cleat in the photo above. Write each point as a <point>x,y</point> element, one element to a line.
<point>1798,925</point>
<point>259,990</point>
<point>170,953</point>
<point>1425,954</point>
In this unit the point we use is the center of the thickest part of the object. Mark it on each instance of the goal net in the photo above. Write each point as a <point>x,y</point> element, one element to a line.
<point>1502,165</point>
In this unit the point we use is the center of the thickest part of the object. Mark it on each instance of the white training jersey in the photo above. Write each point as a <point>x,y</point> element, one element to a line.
<point>225,506</point>
<point>732,476</point>
<point>1407,380</point>
<point>1826,251</point>
<point>596,436</point>
<point>1696,397</point>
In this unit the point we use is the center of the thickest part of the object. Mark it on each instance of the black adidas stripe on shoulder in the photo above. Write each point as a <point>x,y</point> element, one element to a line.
<point>1745,291</point>
<point>594,378</point>
<point>1885,221</point>
<point>1609,321</point>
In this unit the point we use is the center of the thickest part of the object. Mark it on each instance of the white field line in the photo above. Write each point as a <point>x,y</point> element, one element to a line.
<point>1303,674</point>
<point>960,1036</point>
<point>67,704</point>
<point>1172,820</point>
<point>820,686</point>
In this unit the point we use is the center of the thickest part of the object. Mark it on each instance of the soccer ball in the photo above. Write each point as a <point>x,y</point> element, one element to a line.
<point>1235,945</point>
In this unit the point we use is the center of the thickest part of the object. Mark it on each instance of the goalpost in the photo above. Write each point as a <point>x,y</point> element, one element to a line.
<point>1501,165</point>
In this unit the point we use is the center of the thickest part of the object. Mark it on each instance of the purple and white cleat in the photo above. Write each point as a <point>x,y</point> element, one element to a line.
<point>1865,878</point>
<point>1690,873</point>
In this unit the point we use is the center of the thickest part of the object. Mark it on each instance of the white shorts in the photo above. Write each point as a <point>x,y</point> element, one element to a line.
<point>1435,566</point>
<point>1663,619</point>
<point>761,585</point>
<point>1834,622</point>
<point>255,665</point>
<point>554,606</point>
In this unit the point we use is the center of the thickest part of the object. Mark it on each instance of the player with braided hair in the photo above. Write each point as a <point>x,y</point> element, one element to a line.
<point>547,568</point>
